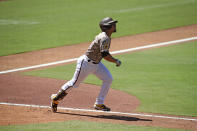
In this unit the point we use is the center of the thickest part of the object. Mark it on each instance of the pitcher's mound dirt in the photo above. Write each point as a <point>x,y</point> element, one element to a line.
<point>37,91</point>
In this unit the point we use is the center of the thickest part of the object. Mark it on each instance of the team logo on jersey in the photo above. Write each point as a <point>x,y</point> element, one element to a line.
<point>105,45</point>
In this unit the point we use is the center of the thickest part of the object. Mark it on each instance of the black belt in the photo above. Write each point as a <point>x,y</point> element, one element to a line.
<point>92,61</point>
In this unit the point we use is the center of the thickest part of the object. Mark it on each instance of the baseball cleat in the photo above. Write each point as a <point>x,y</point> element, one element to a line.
<point>101,107</point>
<point>54,103</point>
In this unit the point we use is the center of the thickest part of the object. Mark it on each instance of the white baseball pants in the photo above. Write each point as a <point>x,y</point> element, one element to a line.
<point>83,69</point>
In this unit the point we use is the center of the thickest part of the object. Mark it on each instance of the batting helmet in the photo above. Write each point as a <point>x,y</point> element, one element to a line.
<point>107,23</point>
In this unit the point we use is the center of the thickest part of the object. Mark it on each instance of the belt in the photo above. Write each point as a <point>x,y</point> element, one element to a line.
<point>92,61</point>
<point>89,60</point>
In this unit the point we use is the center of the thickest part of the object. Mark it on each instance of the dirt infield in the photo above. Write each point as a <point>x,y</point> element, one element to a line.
<point>35,90</point>
<point>15,88</point>
<point>25,115</point>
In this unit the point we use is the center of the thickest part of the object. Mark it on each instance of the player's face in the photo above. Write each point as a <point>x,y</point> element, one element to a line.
<point>112,29</point>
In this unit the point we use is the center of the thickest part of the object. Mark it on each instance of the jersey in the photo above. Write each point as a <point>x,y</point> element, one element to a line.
<point>100,44</point>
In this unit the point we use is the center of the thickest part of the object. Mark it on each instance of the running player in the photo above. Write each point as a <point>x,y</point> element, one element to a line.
<point>90,63</point>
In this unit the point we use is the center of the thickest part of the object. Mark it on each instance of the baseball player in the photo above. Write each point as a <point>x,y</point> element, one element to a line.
<point>90,63</point>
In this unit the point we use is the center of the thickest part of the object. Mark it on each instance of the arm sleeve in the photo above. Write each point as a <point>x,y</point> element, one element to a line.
<point>104,45</point>
<point>105,53</point>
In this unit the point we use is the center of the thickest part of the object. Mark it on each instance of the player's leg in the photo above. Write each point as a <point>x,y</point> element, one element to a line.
<point>106,77</point>
<point>80,74</point>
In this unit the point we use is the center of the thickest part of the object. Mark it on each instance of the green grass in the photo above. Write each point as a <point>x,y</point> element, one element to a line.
<point>82,126</point>
<point>163,79</point>
<point>66,22</point>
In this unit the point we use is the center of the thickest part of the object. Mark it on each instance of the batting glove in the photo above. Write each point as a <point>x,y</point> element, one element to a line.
<point>118,63</point>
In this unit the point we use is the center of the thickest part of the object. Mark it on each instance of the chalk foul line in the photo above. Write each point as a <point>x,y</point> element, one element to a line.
<point>114,52</point>
<point>17,22</point>
<point>104,112</point>
<point>147,7</point>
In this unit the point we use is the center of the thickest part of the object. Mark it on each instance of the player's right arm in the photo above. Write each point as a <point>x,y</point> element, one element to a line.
<point>105,45</point>
<point>110,58</point>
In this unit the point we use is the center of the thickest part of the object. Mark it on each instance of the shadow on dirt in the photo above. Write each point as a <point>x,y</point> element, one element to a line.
<point>112,117</point>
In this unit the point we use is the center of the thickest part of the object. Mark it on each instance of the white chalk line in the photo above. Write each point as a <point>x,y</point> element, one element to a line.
<point>17,22</point>
<point>97,111</point>
<point>39,66</point>
<point>114,52</point>
<point>154,6</point>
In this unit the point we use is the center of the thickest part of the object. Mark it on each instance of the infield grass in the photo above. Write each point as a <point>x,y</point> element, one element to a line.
<point>163,79</point>
<point>82,126</point>
<point>27,25</point>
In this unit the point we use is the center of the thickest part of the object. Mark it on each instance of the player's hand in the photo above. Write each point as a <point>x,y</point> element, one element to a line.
<point>118,62</point>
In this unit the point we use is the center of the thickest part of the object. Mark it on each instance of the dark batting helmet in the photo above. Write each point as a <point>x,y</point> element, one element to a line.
<point>106,23</point>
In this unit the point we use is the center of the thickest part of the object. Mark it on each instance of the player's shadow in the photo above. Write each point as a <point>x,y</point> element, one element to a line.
<point>112,117</point>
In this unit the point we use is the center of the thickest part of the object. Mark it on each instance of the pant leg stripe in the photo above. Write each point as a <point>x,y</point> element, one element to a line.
<point>78,73</point>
